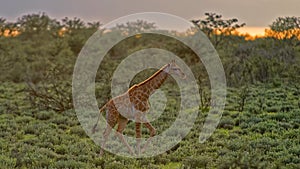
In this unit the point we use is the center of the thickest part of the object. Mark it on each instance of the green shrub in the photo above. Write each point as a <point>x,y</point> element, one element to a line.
<point>197,162</point>
<point>61,149</point>
<point>44,115</point>
<point>263,127</point>
<point>273,108</point>
<point>114,165</point>
<point>60,120</point>
<point>7,162</point>
<point>24,119</point>
<point>226,123</point>
<point>68,164</point>
<point>279,116</point>
<point>30,129</point>
<point>78,130</point>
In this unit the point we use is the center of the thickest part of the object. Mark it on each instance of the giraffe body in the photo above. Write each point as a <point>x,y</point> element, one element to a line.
<point>133,105</point>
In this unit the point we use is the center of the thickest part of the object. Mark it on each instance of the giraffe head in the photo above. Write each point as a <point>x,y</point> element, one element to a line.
<point>175,69</point>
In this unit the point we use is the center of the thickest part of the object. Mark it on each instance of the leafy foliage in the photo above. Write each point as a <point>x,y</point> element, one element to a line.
<point>216,28</point>
<point>39,128</point>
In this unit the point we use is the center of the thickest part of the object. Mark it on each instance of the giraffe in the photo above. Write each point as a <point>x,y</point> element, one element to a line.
<point>133,105</point>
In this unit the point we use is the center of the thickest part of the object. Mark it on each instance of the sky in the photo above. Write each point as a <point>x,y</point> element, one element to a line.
<point>257,14</point>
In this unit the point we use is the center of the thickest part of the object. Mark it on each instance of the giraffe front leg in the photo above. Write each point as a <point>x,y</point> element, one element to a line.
<point>122,124</point>
<point>152,134</point>
<point>138,136</point>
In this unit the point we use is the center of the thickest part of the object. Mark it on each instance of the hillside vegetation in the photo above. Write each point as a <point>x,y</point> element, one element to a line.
<point>39,127</point>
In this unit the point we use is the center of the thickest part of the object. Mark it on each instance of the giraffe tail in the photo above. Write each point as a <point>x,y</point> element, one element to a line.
<point>95,126</point>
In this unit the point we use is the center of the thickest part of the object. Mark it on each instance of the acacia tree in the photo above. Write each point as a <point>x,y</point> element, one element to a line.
<point>286,29</point>
<point>135,27</point>
<point>37,26</point>
<point>7,28</point>
<point>217,28</point>
<point>76,32</point>
<point>2,25</point>
<point>51,48</point>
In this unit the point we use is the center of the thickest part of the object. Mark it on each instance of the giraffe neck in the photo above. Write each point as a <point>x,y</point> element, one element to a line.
<point>154,82</point>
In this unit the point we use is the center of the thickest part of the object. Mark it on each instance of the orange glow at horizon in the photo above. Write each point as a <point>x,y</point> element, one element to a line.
<point>9,33</point>
<point>249,33</point>
<point>253,31</point>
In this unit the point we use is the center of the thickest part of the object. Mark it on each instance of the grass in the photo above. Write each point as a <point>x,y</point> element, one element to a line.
<point>264,138</point>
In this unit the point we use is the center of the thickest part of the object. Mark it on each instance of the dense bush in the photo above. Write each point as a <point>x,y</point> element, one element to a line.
<point>39,128</point>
